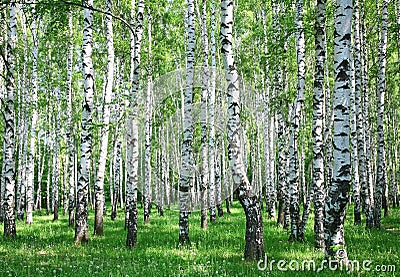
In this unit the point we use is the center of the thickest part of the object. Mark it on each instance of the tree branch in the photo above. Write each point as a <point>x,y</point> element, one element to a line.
<point>69,3</point>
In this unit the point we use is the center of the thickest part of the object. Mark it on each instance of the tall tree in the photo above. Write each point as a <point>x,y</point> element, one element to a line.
<point>207,161</point>
<point>269,130</point>
<point>99,184</point>
<point>381,173</point>
<point>338,194</point>
<point>318,125</point>
<point>364,192</point>
<point>32,142</point>
<point>185,179</point>
<point>9,118</point>
<point>147,189</point>
<point>295,124</point>
<point>132,128</point>
<point>254,248</point>
<point>81,225</point>
<point>69,135</point>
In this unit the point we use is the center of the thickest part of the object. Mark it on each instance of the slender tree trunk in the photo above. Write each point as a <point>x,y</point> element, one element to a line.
<point>22,153</point>
<point>116,176</point>
<point>48,183</point>
<point>269,159</point>
<point>381,174</point>
<point>147,191</point>
<point>318,125</point>
<point>132,128</point>
<point>359,119</point>
<point>254,248</point>
<point>207,143</point>
<point>31,157</point>
<point>338,194</point>
<point>56,159</point>
<point>108,94</point>
<point>306,213</point>
<point>368,188</point>
<point>295,124</point>
<point>8,157</point>
<point>55,178</point>
<point>353,121</point>
<point>2,187</point>
<point>70,128</point>
<point>81,227</point>
<point>186,176</point>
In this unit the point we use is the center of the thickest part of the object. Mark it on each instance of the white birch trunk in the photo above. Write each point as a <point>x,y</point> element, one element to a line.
<point>254,248</point>
<point>31,158</point>
<point>132,128</point>
<point>295,124</point>
<point>338,194</point>
<point>70,129</point>
<point>207,139</point>
<point>8,158</point>
<point>108,94</point>
<point>318,126</point>
<point>381,170</point>
<point>81,227</point>
<point>147,191</point>
<point>186,175</point>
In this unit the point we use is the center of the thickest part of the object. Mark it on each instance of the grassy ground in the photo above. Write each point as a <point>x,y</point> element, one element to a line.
<point>46,249</point>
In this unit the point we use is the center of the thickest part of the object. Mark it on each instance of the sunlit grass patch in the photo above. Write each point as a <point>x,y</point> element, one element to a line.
<point>46,248</point>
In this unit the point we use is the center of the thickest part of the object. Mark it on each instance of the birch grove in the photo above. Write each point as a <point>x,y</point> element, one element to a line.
<point>293,108</point>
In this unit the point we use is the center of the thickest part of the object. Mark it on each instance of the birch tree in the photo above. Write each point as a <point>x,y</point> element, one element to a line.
<point>381,174</point>
<point>207,154</point>
<point>69,135</point>
<point>132,128</point>
<point>295,124</point>
<point>31,158</point>
<point>99,184</point>
<point>187,161</point>
<point>318,121</point>
<point>254,248</point>
<point>338,194</point>
<point>81,225</point>
<point>9,118</point>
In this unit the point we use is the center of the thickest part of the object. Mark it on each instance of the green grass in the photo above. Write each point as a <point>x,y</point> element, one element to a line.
<point>46,248</point>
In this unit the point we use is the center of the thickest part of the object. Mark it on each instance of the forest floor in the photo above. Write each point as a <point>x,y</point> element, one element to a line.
<point>46,248</point>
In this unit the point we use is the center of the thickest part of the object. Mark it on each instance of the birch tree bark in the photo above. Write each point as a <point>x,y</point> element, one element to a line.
<point>132,128</point>
<point>211,109</point>
<point>56,141</point>
<point>207,144</point>
<point>185,178</point>
<point>359,114</point>
<point>3,94</point>
<point>147,191</point>
<point>116,174</point>
<point>381,174</point>
<point>338,194</point>
<point>369,188</point>
<point>254,248</point>
<point>81,225</point>
<point>295,124</point>
<point>269,129</point>
<point>108,94</point>
<point>23,127</point>
<point>318,126</point>
<point>69,135</point>
<point>31,158</point>
<point>9,159</point>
